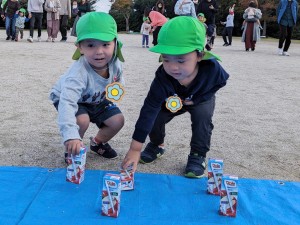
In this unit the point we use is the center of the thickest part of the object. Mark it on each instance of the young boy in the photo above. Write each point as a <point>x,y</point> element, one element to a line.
<point>186,81</point>
<point>80,94</point>
<point>229,24</point>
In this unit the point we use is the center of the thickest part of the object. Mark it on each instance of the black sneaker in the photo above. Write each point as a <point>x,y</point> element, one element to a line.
<point>195,167</point>
<point>103,150</point>
<point>8,38</point>
<point>151,153</point>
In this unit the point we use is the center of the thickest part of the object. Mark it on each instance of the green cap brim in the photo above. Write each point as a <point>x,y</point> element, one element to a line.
<point>207,55</point>
<point>119,54</point>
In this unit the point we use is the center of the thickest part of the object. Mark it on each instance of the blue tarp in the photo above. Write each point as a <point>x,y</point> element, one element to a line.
<point>31,195</point>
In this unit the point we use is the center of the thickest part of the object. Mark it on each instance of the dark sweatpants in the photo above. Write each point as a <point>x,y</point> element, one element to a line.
<point>202,126</point>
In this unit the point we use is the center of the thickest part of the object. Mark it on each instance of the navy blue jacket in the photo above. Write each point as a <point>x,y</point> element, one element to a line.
<point>210,78</point>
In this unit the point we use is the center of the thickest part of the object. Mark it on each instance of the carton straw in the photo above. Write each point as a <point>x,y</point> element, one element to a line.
<point>228,196</point>
<point>109,196</point>
<point>74,167</point>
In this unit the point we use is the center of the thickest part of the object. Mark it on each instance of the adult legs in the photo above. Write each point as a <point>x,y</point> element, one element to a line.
<point>288,39</point>
<point>224,36</point>
<point>155,35</point>
<point>7,27</point>
<point>249,35</point>
<point>39,20</point>
<point>64,27</point>
<point>31,25</point>
<point>229,33</point>
<point>282,35</point>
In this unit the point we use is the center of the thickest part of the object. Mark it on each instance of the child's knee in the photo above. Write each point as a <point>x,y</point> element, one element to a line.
<point>116,122</point>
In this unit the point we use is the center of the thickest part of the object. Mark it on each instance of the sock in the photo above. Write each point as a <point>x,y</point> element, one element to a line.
<point>96,140</point>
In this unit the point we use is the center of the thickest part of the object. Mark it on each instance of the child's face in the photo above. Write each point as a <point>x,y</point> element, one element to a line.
<point>200,18</point>
<point>98,53</point>
<point>21,14</point>
<point>181,67</point>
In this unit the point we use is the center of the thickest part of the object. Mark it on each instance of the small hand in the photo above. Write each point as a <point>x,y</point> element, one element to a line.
<point>132,158</point>
<point>73,146</point>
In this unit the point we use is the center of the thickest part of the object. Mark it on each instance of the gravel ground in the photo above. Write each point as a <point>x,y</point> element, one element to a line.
<point>256,117</point>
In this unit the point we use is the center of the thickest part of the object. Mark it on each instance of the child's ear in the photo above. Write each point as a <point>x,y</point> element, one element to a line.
<point>200,55</point>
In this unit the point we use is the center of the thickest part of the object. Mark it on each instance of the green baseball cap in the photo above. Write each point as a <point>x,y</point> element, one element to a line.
<point>100,26</point>
<point>201,14</point>
<point>22,10</point>
<point>182,35</point>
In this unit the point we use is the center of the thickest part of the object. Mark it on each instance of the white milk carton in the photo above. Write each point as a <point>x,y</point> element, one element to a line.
<point>76,167</point>
<point>229,195</point>
<point>215,173</point>
<point>111,195</point>
<point>127,179</point>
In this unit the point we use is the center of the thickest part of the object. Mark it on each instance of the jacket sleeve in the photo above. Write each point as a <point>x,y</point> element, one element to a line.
<point>149,111</point>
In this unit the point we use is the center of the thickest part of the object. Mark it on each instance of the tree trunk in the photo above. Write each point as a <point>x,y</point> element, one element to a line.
<point>127,23</point>
<point>265,29</point>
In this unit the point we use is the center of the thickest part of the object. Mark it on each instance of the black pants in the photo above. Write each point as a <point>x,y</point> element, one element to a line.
<point>155,35</point>
<point>202,126</point>
<point>38,18</point>
<point>64,26</point>
<point>227,31</point>
<point>285,37</point>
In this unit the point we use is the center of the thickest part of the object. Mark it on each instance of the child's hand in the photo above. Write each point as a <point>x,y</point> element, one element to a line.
<point>133,155</point>
<point>73,146</point>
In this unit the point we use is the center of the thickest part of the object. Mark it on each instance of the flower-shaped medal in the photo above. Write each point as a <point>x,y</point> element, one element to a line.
<point>173,103</point>
<point>114,92</point>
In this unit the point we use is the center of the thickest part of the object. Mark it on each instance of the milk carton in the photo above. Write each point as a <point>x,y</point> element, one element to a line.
<point>127,178</point>
<point>229,196</point>
<point>215,172</point>
<point>76,167</point>
<point>111,195</point>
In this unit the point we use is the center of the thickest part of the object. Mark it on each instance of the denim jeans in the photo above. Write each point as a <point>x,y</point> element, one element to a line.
<point>201,123</point>
<point>145,39</point>
<point>10,26</point>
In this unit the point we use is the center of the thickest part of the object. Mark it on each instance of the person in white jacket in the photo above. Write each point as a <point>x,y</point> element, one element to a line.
<point>185,8</point>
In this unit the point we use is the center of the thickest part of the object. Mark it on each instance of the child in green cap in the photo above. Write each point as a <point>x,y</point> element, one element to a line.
<point>82,95</point>
<point>186,81</point>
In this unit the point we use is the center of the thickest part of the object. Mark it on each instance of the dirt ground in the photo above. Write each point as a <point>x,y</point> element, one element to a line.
<point>257,131</point>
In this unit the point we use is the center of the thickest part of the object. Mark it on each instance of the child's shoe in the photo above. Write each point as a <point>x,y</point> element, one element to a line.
<point>147,46</point>
<point>151,153</point>
<point>195,167</point>
<point>103,150</point>
<point>8,38</point>
<point>16,39</point>
<point>30,39</point>
<point>143,46</point>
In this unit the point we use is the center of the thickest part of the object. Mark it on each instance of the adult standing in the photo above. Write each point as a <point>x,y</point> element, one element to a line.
<point>83,8</point>
<point>65,14</point>
<point>185,8</point>
<point>209,8</point>
<point>10,9</point>
<point>251,32</point>
<point>52,8</point>
<point>287,11</point>
<point>157,21</point>
<point>35,14</point>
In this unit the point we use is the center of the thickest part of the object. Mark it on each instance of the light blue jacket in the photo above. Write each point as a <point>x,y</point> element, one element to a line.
<point>282,7</point>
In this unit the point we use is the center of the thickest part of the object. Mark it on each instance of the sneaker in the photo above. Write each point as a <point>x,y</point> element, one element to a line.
<point>147,46</point>
<point>225,44</point>
<point>8,38</point>
<point>208,47</point>
<point>151,153</point>
<point>286,54</point>
<point>48,39</point>
<point>39,39</point>
<point>279,51</point>
<point>143,46</point>
<point>16,39</point>
<point>195,167</point>
<point>63,40</point>
<point>103,150</point>
<point>53,39</point>
<point>30,39</point>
